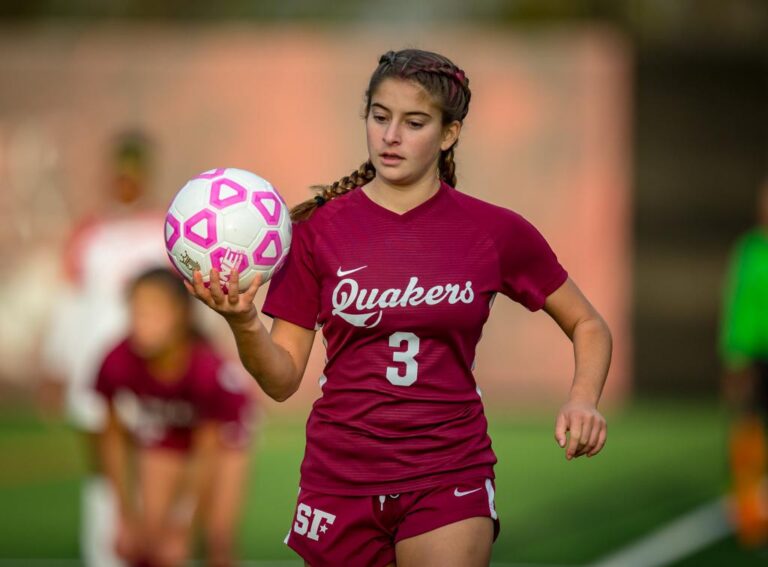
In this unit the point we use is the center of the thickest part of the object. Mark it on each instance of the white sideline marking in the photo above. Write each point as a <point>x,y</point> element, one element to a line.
<point>675,540</point>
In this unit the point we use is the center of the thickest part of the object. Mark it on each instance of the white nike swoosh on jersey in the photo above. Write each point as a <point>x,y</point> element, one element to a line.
<point>341,272</point>
<point>460,494</point>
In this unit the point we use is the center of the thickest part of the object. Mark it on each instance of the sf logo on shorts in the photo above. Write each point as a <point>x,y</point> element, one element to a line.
<point>320,521</point>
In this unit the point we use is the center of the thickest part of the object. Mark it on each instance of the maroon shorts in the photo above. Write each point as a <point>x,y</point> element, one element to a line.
<point>361,531</point>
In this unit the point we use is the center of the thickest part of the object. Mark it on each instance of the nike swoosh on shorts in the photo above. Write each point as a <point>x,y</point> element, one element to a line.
<point>456,492</point>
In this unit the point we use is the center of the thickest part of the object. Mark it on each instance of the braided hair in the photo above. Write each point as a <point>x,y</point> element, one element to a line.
<point>441,78</point>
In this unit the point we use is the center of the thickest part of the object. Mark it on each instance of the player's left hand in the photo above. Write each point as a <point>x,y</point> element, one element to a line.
<point>587,428</point>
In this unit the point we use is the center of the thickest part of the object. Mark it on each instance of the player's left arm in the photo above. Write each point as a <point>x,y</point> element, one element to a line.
<point>592,345</point>
<point>197,488</point>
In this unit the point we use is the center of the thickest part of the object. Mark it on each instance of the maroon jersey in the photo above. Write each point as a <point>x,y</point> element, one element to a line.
<point>401,301</point>
<point>165,413</point>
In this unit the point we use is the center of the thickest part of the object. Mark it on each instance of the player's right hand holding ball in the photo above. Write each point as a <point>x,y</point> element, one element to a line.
<point>235,307</point>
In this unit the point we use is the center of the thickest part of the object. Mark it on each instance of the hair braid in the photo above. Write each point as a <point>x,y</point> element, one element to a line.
<point>447,166</point>
<point>325,193</point>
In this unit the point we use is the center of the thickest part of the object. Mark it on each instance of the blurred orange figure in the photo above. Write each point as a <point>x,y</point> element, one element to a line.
<point>750,499</point>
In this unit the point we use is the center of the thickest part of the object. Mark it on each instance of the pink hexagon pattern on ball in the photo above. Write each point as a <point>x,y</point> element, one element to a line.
<point>281,198</point>
<point>225,192</point>
<point>192,228</point>
<point>212,174</point>
<point>226,260</point>
<point>272,218</point>
<point>264,254</point>
<point>173,224</point>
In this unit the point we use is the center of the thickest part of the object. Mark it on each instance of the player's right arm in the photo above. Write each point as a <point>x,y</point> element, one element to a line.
<point>114,456</point>
<point>276,360</point>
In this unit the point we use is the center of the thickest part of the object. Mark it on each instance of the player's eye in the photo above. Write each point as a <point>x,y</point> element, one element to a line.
<point>379,118</point>
<point>415,125</point>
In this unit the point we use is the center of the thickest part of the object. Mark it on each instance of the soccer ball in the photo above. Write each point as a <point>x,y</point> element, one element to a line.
<point>228,219</point>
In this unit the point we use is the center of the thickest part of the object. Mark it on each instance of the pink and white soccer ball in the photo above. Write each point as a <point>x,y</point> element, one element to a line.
<point>228,219</point>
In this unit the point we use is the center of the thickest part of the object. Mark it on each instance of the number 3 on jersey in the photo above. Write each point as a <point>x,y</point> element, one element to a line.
<point>396,340</point>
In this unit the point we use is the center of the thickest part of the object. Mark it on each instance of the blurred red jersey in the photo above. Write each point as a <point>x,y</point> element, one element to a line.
<point>401,301</point>
<point>165,414</point>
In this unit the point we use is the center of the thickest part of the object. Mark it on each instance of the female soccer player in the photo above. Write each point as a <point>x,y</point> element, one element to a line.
<point>187,413</point>
<point>399,270</point>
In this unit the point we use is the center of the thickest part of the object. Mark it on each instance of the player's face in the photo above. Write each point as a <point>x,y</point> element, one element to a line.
<point>157,320</point>
<point>128,187</point>
<point>405,132</point>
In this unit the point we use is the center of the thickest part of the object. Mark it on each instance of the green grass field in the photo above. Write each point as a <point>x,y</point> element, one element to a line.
<point>661,461</point>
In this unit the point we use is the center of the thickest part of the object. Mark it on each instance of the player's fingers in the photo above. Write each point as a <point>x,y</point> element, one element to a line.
<point>589,434</point>
<point>189,287</point>
<point>250,294</point>
<point>588,423</point>
<point>197,281</point>
<point>200,291</point>
<point>573,442</point>
<point>233,293</point>
<point>600,441</point>
<point>215,287</point>
<point>561,426</point>
<point>583,439</point>
<point>593,437</point>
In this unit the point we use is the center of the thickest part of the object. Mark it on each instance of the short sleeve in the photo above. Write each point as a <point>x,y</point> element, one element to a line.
<point>108,378</point>
<point>294,291</point>
<point>529,268</point>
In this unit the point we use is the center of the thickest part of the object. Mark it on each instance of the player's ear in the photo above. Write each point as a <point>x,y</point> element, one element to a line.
<point>450,135</point>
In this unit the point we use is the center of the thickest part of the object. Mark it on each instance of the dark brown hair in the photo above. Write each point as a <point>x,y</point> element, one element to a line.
<point>171,283</point>
<point>441,79</point>
<point>167,280</point>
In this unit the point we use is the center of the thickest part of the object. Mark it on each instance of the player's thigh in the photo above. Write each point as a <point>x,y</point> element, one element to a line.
<point>466,543</point>
<point>223,504</point>
<point>160,476</point>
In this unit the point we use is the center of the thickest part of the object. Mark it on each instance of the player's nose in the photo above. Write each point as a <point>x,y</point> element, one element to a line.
<point>391,133</point>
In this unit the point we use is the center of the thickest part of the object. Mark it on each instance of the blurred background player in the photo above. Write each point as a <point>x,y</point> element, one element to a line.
<point>104,252</point>
<point>187,413</point>
<point>744,351</point>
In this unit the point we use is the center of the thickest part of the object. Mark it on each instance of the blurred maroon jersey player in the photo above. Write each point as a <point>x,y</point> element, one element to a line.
<point>103,254</point>
<point>165,414</point>
<point>188,414</point>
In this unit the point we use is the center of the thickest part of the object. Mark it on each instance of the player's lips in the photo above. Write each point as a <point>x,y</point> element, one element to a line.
<point>389,158</point>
